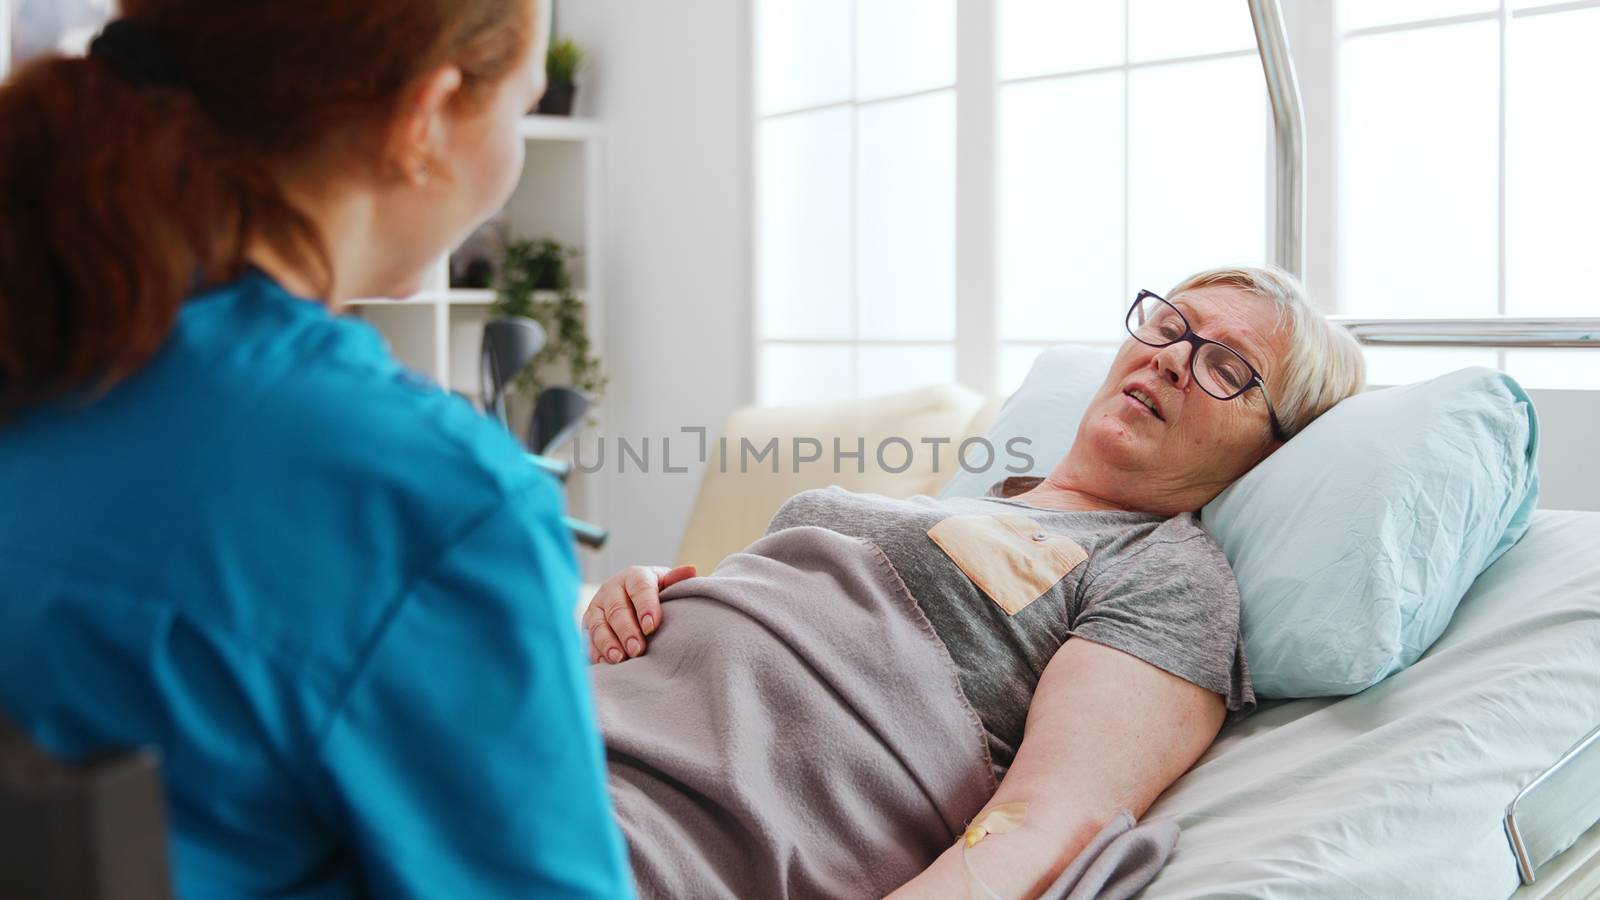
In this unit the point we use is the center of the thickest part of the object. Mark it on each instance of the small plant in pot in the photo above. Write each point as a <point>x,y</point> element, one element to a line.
<point>561,72</point>
<point>533,281</point>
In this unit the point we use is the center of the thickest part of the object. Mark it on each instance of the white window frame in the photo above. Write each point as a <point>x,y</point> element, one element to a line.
<point>987,380</point>
<point>758,340</point>
<point>1316,38</point>
<point>1503,15</point>
<point>977,342</point>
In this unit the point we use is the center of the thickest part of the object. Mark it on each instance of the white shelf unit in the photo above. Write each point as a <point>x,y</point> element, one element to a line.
<point>439,331</point>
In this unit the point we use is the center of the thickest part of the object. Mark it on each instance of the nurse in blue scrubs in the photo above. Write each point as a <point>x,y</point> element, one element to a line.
<point>231,525</point>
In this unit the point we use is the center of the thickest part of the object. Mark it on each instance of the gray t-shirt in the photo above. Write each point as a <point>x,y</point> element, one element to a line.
<point>1159,589</point>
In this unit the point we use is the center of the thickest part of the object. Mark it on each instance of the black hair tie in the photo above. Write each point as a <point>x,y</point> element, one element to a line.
<point>137,53</point>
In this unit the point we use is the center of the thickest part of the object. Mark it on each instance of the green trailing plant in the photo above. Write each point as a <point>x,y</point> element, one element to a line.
<point>533,281</point>
<point>562,61</point>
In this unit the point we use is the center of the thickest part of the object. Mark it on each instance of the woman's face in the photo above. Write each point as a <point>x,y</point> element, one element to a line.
<point>1180,455</point>
<point>477,159</point>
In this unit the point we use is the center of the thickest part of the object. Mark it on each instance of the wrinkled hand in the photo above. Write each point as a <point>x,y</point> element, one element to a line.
<point>627,609</point>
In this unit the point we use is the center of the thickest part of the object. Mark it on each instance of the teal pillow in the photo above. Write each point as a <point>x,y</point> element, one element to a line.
<point>1354,542</point>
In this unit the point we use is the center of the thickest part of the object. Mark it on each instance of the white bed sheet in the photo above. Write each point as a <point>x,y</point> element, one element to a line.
<point>1399,791</point>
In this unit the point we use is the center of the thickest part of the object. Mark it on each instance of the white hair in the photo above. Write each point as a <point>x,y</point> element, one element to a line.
<point>1322,364</point>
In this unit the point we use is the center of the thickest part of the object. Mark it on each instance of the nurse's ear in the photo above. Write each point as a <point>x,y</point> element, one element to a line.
<point>417,134</point>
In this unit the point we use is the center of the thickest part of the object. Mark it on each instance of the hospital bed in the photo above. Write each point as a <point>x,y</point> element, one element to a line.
<point>1473,773</point>
<point>1406,784</point>
<point>1400,790</point>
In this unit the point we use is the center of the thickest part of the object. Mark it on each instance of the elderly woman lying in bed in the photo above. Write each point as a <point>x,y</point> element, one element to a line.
<point>825,713</point>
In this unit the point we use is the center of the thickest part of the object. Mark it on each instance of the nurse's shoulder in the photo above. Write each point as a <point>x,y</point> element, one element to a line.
<point>338,468</point>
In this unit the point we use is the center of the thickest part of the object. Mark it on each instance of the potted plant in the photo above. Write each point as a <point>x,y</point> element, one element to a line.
<point>561,71</point>
<point>533,281</point>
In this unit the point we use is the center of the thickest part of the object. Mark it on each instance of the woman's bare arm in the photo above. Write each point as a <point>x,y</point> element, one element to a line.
<point>1106,731</point>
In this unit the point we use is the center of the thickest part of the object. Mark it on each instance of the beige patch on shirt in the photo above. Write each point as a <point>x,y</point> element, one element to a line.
<point>1009,557</point>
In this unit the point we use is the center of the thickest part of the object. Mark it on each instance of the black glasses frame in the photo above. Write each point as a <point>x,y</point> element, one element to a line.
<point>1189,335</point>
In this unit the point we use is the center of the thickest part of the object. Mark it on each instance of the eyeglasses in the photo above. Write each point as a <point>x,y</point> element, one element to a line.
<point>1217,368</point>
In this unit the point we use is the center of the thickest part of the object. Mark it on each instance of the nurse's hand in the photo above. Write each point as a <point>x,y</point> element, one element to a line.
<point>627,609</point>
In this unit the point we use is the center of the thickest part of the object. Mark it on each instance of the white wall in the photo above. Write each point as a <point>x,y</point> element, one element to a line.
<point>5,36</point>
<point>1569,432</point>
<point>671,83</point>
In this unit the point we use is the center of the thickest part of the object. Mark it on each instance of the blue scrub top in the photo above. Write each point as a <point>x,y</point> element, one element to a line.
<point>336,597</point>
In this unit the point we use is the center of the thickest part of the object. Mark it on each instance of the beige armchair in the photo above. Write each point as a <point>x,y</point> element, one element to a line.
<point>733,507</point>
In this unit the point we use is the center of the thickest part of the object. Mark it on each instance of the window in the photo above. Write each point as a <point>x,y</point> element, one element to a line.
<point>855,197</point>
<point>1130,155</point>
<point>1126,143</point>
<point>1468,173</point>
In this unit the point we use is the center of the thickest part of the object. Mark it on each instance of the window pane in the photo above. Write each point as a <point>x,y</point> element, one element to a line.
<point>1163,29</point>
<point>884,370</point>
<point>1039,37</point>
<point>1366,13</point>
<point>789,374</point>
<point>1552,180</point>
<point>1197,170</point>
<point>906,255</point>
<point>803,52</point>
<point>804,226</point>
<point>904,46</point>
<point>1403,365</point>
<point>1419,233</point>
<point>1060,216</point>
<point>1573,370</point>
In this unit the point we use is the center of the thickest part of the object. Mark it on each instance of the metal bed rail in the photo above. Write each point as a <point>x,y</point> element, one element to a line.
<point>1489,332</point>
<point>1288,122</point>
<point>1558,806</point>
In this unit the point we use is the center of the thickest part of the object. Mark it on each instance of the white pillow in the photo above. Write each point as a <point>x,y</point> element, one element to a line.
<point>1354,542</point>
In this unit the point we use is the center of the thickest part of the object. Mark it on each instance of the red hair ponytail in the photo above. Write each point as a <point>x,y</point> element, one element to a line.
<point>114,201</point>
<point>118,200</point>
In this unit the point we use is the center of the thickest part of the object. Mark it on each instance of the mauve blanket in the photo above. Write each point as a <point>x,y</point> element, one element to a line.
<point>795,729</point>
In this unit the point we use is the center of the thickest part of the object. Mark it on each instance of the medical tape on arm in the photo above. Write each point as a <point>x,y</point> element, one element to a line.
<point>997,820</point>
